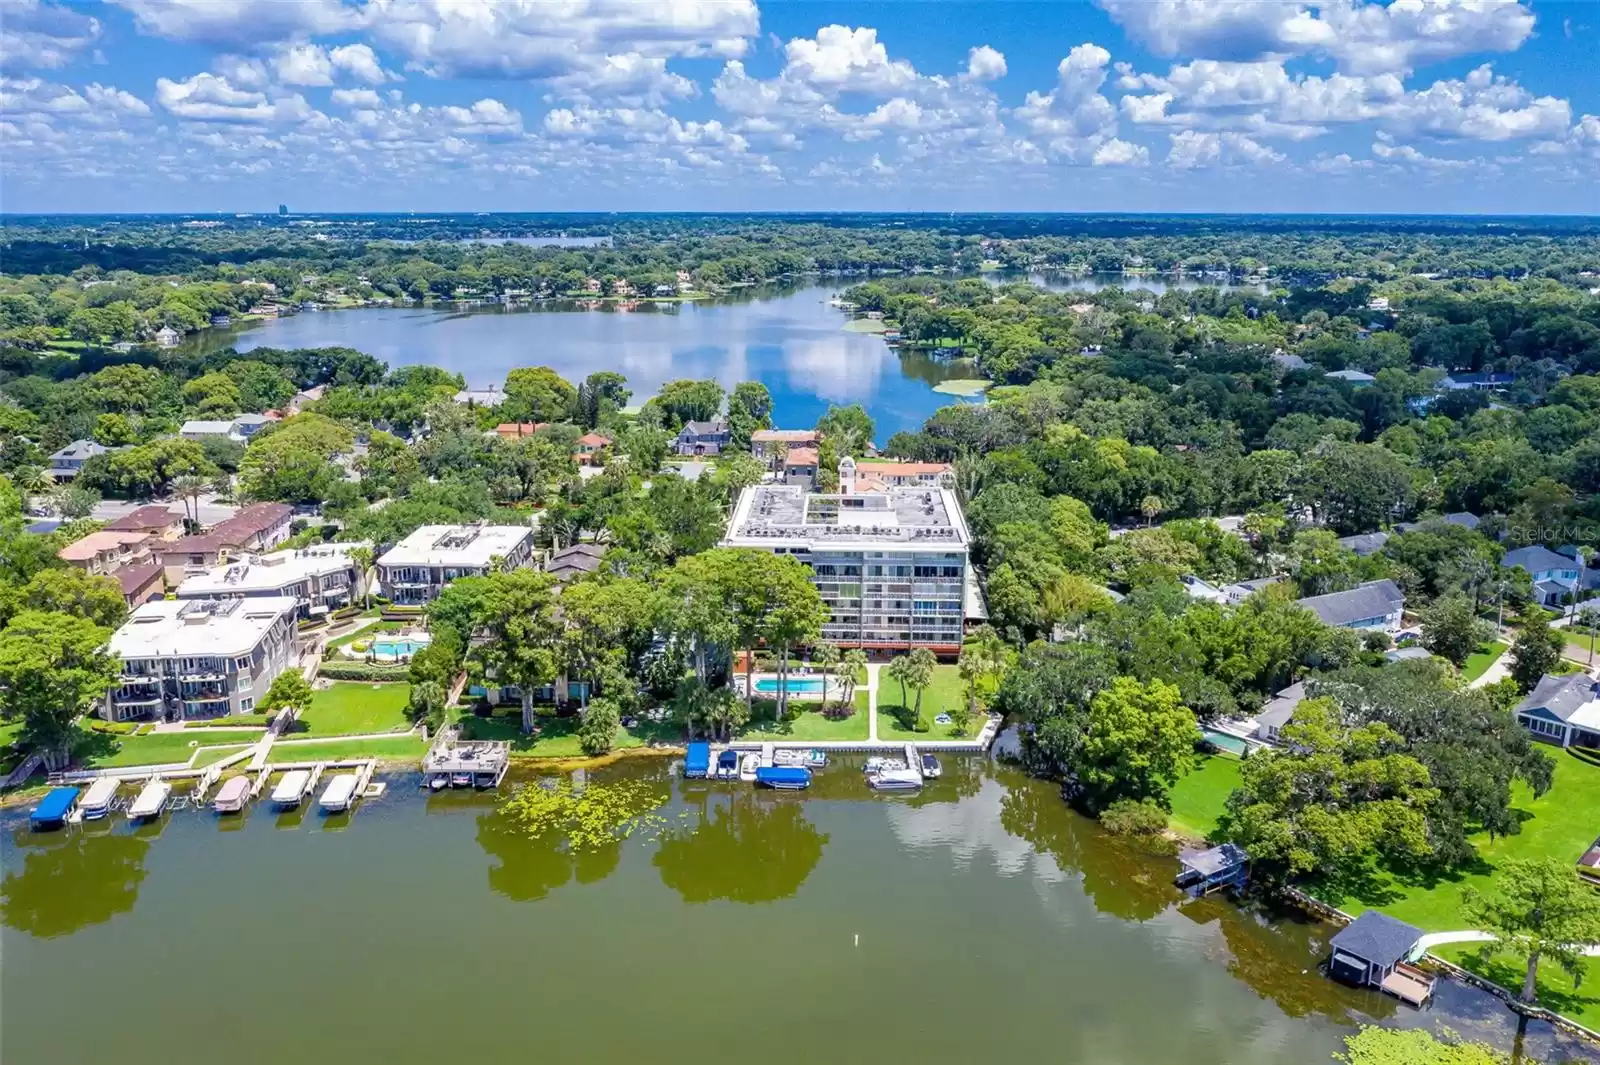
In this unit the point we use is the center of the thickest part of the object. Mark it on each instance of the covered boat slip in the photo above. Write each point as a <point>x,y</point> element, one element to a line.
<point>232,796</point>
<point>96,802</point>
<point>53,809</point>
<point>292,788</point>
<point>697,760</point>
<point>785,778</point>
<point>340,794</point>
<point>466,763</point>
<point>151,801</point>
<point>1371,951</point>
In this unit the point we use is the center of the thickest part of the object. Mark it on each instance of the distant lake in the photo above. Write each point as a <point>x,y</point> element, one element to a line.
<point>788,339</point>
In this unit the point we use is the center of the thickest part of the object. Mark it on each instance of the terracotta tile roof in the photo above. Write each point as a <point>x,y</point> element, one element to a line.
<point>784,436</point>
<point>134,578</point>
<point>594,440</point>
<point>801,456</point>
<point>237,531</point>
<point>516,429</point>
<point>86,548</point>
<point>145,519</point>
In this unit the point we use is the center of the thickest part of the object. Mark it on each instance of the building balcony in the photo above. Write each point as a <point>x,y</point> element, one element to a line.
<point>201,676</point>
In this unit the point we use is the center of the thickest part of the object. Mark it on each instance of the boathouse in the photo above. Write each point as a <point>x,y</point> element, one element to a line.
<point>1371,951</point>
<point>1213,868</point>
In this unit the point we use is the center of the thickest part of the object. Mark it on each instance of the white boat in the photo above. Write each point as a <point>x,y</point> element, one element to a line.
<point>292,788</point>
<point>877,764</point>
<point>789,756</point>
<point>439,781</point>
<point>232,796</point>
<point>748,766</point>
<point>151,801</point>
<point>930,766</point>
<point>339,794</point>
<point>895,780</point>
<point>96,802</point>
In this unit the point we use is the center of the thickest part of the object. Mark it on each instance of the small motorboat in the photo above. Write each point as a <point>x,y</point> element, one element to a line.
<point>895,780</point>
<point>461,780</point>
<point>877,764</point>
<point>728,765</point>
<point>816,758</point>
<point>231,796</point>
<point>151,801</point>
<point>931,767</point>
<point>96,802</point>
<point>789,757</point>
<point>438,782</point>
<point>784,777</point>
<point>748,767</point>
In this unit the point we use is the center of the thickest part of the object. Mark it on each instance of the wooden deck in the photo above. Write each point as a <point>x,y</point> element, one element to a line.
<point>1409,984</point>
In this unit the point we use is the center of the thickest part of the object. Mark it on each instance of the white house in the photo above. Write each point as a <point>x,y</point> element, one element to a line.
<point>1375,606</point>
<point>416,569</point>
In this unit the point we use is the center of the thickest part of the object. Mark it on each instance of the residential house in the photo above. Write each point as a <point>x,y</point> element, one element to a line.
<point>702,438</point>
<point>1354,378</point>
<point>247,425</point>
<point>68,462</point>
<point>1375,606</point>
<point>1239,591</point>
<point>319,578</point>
<point>771,445</point>
<point>1555,576</point>
<point>574,561</point>
<point>105,552</point>
<point>590,445</point>
<point>195,658</point>
<point>518,430</point>
<point>800,467</point>
<point>300,400</point>
<point>201,428</point>
<point>874,475</point>
<point>1364,544</point>
<point>1563,710</point>
<point>1287,363</point>
<point>141,582</point>
<point>155,519</point>
<point>1202,590</point>
<point>1278,711</point>
<point>481,397</point>
<point>417,569</point>
<point>1476,382</point>
<point>168,337</point>
<point>258,527</point>
<point>1464,518</point>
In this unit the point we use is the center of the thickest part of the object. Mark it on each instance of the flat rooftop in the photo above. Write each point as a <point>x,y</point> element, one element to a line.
<point>260,573</point>
<point>456,545</point>
<point>166,628</point>
<point>910,518</point>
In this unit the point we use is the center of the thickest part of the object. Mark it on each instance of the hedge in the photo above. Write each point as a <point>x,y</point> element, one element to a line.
<point>363,671</point>
<point>231,720</point>
<point>115,728</point>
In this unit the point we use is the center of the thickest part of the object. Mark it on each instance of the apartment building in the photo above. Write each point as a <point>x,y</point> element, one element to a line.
<point>417,568</point>
<point>258,527</point>
<point>319,578</point>
<point>891,564</point>
<point>200,657</point>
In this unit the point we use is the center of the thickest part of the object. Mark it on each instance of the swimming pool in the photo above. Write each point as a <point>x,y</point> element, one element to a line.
<point>396,648</point>
<point>1225,742</point>
<point>794,685</point>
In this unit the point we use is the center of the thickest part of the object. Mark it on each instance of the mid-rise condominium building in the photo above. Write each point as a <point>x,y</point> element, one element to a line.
<point>189,658</point>
<point>416,569</point>
<point>891,564</point>
<point>320,578</point>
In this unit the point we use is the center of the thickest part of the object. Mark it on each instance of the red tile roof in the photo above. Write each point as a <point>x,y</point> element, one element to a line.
<point>145,519</point>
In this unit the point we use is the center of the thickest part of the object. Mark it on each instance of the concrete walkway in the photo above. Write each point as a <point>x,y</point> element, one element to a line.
<point>872,701</point>
<point>1498,670</point>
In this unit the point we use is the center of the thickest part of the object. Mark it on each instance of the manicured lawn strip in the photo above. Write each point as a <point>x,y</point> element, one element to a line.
<point>1580,645</point>
<point>1476,664</point>
<point>216,754</point>
<point>1198,797</point>
<point>10,756</point>
<point>944,695</point>
<point>350,708</point>
<point>367,633</point>
<point>388,747</point>
<point>1560,824</point>
<point>558,736</point>
<point>158,748</point>
<point>232,721</point>
<point>809,725</point>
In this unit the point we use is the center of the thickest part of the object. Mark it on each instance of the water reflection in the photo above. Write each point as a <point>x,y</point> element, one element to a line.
<point>72,879</point>
<point>786,337</point>
<point>529,869</point>
<point>744,846</point>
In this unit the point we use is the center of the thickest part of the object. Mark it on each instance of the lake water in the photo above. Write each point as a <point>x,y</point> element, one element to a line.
<point>791,341</point>
<point>979,921</point>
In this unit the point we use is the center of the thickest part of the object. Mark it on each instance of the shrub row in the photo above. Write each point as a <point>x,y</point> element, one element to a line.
<point>363,671</point>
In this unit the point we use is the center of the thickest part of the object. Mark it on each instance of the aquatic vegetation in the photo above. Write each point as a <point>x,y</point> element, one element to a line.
<point>590,816</point>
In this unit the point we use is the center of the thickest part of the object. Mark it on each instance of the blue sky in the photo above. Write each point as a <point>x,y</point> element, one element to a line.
<point>1472,106</point>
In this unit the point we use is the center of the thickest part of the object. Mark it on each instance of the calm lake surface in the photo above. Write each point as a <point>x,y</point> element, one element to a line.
<point>790,340</point>
<point>979,921</point>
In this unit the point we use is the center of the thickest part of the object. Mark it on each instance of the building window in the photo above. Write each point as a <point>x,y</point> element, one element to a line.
<point>247,705</point>
<point>246,682</point>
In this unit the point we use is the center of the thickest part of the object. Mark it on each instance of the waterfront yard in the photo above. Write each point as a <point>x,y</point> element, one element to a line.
<point>1199,797</point>
<point>808,724</point>
<point>396,747</point>
<point>1560,824</point>
<point>10,753</point>
<point>557,736</point>
<point>104,750</point>
<point>209,755</point>
<point>1477,664</point>
<point>353,708</point>
<point>946,694</point>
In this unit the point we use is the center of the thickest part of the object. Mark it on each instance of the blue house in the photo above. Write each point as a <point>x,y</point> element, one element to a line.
<point>1555,577</point>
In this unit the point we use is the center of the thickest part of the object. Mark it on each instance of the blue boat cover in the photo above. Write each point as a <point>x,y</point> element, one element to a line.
<point>698,760</point>
<point>55,806</point>
<point>777,775</point>
<point>728,758</point>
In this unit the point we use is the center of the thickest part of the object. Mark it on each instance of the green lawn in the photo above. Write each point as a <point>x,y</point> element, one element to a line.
<point>10,756</point>
<point>808,725</point>
<point>390,747</point>
<point>558,736</point>
<point>102,750</point>
<point>1198,797</point>
<point>351,708</point>
<point>1476,664</point>
<point>216,754</point>
<point>945,694</point>
<point>1561,824</point>
<point>1580,644</point>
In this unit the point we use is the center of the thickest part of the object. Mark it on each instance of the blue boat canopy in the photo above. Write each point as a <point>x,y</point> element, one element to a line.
<point>55,806</point>
<point>698,759</point>
<point>777,775</point>
<point>728,757</point>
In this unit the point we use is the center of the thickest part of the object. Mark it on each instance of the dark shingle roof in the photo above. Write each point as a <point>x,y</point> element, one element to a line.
<point>1370,600</point>
<point>1281,707</point>
<point>1561,696</point>
<point>1378,938</point>
<point>1213,860</point>
<point>1366,543</point>
<point>1536,558</point>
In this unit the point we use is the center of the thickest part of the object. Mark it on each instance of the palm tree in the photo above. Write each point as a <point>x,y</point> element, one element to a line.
<point>362,557</point>
<point>30,481</point>
<point>1150,506</point>
<point>898,669</point>
<point>919,669</point>
<point>189,488</point>
<point>828,656</point>
<point>853,663</point>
